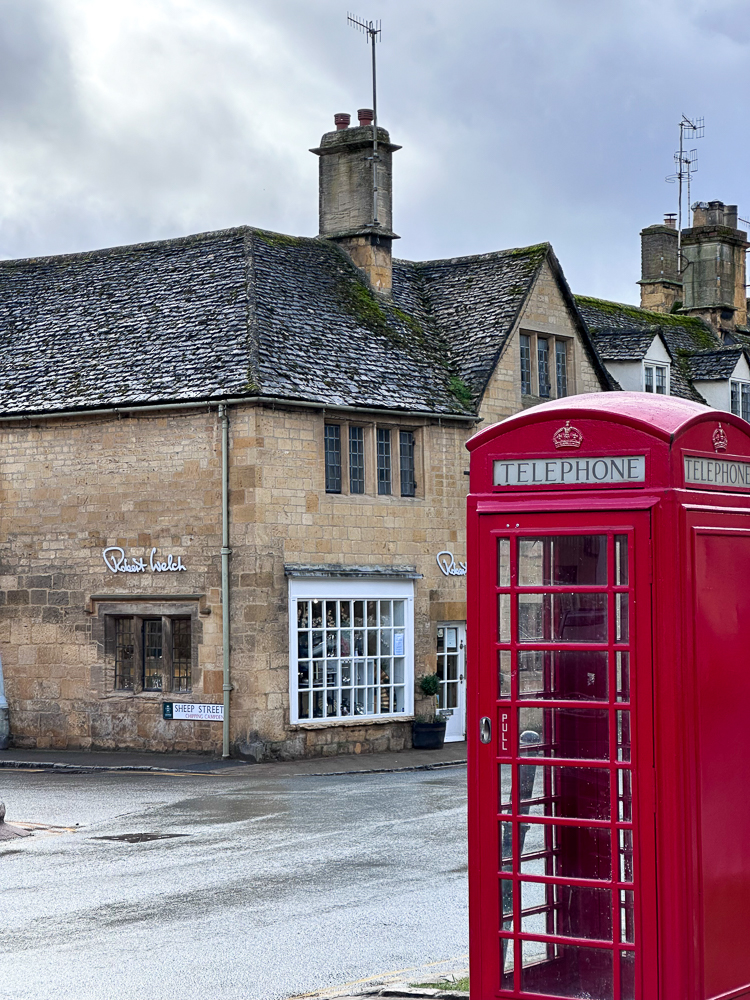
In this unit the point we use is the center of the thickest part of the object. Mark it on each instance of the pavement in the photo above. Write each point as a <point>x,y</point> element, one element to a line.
<point>320,878</point>
<point>81,761</point>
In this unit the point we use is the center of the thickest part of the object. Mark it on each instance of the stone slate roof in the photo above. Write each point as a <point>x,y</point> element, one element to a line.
<point>624,333</point>
<point>244,312</point>
<point>719,364</point>
<point>471,304</point>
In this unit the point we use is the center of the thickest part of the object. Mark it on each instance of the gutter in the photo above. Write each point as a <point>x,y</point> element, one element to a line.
<point>199,404</point>
<point>225,553</point>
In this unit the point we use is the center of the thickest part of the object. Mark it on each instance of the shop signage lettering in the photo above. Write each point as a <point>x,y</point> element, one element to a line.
<point>716,472</point>
<point>117,562</point>
<point>449,566</point>
<point>193,713</point>
<point>570,471</point>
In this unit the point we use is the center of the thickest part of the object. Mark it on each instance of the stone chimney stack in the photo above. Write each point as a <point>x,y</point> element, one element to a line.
<point>346,196</point>
<point>714,267</point>
<point>660,282</point>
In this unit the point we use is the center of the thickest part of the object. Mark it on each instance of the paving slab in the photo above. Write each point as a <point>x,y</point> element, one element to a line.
<point>82,761</point>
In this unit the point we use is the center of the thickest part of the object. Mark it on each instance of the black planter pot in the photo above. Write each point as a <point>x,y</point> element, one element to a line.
<point>427,735</point>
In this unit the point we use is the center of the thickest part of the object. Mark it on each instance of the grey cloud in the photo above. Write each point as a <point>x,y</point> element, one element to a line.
<point>553,120</point>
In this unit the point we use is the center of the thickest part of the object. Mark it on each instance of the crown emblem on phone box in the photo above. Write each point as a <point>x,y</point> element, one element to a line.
<point>720,439</point>
<point>567,437</point>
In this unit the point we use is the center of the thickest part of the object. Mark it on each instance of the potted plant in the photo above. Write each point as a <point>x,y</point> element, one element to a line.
<point>428,731</point>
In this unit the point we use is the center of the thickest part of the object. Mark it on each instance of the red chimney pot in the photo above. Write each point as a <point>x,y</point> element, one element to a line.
<point>342,120</point>
<point>366,116</point>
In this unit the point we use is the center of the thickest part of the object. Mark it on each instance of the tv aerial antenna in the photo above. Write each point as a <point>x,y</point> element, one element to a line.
<point>686,162</point>
<point>373,31</point>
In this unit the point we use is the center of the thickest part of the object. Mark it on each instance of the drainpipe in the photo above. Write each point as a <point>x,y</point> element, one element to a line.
<point>225,553</point>
<point>4,720</point>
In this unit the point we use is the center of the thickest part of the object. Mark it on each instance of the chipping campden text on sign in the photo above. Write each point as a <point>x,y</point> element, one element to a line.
<point>716,472</point>
<point>570,471</point>
<point>193,713</point>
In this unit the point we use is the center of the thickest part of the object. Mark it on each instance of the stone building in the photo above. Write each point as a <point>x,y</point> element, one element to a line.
<point>232,475</point>
<point>690,336</point>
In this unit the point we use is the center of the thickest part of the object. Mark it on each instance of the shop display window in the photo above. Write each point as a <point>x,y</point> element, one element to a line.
<point>351,656</point>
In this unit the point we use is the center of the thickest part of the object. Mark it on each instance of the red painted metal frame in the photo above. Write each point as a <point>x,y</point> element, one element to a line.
<point>635,526</point>
<point>670,757</point>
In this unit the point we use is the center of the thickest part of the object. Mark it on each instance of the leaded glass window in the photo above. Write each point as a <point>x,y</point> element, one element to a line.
<point>356,460</point>
<point>525,342</point>
<point>735,398</point>
<point>333,458</point>
<point>181,654</point>
<point>542,352</point>
<point>384,460</point>
<point>561,367</point>
<point>153,654</point>
<point>124,654</point>
<point>406,453</point>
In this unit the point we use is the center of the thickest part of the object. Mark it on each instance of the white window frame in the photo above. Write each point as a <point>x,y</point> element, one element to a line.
<point>741,384</point>
<point>665,368</point>
<point>317,588</point>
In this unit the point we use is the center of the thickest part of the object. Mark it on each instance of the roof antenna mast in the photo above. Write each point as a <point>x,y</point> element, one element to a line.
<point>372,29</point>
<point>686,163</point>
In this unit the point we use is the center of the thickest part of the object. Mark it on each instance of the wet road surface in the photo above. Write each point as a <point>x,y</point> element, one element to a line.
<point>282,886</point>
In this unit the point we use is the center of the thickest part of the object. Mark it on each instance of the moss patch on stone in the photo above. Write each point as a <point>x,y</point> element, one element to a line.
<point>461,392</point>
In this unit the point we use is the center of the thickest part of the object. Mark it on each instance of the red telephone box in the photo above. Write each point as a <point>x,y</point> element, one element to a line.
<point>609,702</point>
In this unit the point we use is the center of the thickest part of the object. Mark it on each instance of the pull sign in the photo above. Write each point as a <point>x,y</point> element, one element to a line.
<point>503,738</point>
<point>485,730</point>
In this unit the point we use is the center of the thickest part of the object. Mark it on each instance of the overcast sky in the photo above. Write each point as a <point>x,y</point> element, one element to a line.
<point>130,120</point>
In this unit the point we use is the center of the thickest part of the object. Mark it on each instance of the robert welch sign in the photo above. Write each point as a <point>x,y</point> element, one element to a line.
<point>117,562</point>
<point>570,471</point>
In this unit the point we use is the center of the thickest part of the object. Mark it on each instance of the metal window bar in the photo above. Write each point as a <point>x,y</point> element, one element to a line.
<point>406,457</point>
<point>735,398</point>
<point>351,658</point>
<point>542,353</point>
<point>525,342</point>
<point>153,655</point>
<point>661,380</point>
<point>181,654</point>
<point>124,653</point>
<point>333,458</point>
<point>745,396</point>
<point>384,461</point>
<point>561,367</point>
<point>356,460</point>
<point>648,379</point>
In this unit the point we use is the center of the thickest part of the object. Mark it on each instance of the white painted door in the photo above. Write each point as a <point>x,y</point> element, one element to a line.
<point>451,671</point>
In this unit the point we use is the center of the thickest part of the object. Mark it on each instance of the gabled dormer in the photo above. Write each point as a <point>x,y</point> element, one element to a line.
<point>723,379</point>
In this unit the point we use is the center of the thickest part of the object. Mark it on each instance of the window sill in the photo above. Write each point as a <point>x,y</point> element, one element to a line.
<point>361,720</point>
<point>151,695</point>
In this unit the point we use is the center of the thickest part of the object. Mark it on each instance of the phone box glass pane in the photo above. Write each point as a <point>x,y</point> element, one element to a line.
<point>562,617</point>
<point>567,970</point>
<point>574,733</point>
<point>566,910</point>
<point>580,560</point>
<point>566,851</point>
<point>563,674</point>
<point>567,792</point>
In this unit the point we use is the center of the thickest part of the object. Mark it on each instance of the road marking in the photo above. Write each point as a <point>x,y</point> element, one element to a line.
<point>381,977</point>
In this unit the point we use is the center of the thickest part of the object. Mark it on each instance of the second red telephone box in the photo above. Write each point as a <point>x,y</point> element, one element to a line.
<point>609,745</point>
